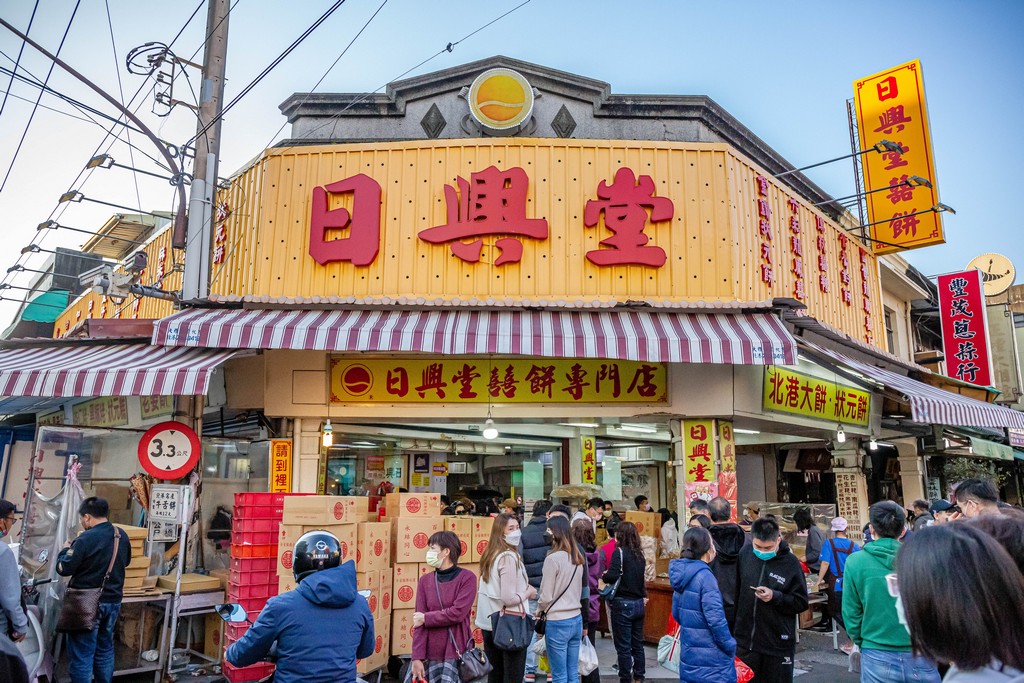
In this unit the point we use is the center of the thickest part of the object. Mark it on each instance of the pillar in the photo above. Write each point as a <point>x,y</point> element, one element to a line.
<point>575,456</point>
<point>306,458</point>
<point>913,471</point>
<point>852,498</point>
<point>678,460</point>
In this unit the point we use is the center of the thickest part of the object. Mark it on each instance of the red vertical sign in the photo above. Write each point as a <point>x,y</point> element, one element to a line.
<point>964,329</point>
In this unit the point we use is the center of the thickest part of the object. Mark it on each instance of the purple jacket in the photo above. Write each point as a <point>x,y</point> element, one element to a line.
<point>431,641</point>
<point>595,568</point>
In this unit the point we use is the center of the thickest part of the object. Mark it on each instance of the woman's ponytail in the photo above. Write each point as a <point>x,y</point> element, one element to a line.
<point>696,543</point>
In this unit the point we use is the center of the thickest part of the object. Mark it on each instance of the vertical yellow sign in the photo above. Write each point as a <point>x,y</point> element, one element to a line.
<point>727,474</point>
<point>280,466</point>
<point>891,107</point>
<point>589,461</point>
<point>699,450</point>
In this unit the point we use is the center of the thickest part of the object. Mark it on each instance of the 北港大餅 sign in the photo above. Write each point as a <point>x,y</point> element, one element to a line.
<point>964,327</point>
<point>485,380</point>
<point>799,394</point>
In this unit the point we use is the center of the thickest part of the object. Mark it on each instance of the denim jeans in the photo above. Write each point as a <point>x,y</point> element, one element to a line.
<point>880,666</point>
<point>531,659</point>
<point>563,639</point>
<point>628,636</point>
<point>91,654</point>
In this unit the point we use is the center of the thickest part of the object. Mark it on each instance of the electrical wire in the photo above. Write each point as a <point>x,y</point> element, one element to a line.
<point>21,51</point>
<point>32,115</point>
<point>120,90</point>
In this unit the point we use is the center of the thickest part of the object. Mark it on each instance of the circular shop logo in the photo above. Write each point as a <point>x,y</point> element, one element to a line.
<point>359,554</point>
<point>378,547</point>
<point>481,547</point>
<point>420,540</point>
<point>413,505</point>
<point>462,544</point>
<point>286,559</point>
<point>356,379</point>
<point>339,510</point>
<point>380,644</point>
<point>500,99</point>
<point>405,593</point>
<point>385,601</point>
<point>344,549</point>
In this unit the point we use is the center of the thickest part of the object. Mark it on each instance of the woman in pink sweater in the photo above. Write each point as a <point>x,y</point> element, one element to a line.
<point>444,600</point>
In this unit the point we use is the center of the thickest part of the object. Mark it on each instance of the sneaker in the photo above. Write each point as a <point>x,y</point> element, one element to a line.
<point>530,678</point>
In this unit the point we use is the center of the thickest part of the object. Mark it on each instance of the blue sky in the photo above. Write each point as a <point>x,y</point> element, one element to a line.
<point>784,69</point>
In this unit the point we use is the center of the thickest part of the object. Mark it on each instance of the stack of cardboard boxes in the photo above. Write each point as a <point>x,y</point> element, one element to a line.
<point>412,519</point>
<point>138,569</point>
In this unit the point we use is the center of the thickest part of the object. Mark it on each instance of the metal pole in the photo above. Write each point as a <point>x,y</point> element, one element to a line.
<point>197,242</point>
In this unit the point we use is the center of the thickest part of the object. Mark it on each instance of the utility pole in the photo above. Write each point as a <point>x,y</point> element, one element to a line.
<point>197,242</point>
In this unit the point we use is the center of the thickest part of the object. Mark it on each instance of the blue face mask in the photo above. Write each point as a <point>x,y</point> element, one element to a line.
<point>765,555</point>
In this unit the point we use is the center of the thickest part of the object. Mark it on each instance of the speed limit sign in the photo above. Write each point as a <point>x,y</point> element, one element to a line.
<point>169,450</point>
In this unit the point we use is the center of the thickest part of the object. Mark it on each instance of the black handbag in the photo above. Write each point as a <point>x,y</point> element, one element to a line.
<point>512,631</point>
<point>471,662</point>
<point>608,592</point>
<point>81,606</point>
<point>541,626</point>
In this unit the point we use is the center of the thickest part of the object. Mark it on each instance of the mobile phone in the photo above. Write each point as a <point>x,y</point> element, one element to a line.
<point>753,588</point>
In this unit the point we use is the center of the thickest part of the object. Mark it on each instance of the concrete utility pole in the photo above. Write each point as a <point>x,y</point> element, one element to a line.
<point>197,243</point>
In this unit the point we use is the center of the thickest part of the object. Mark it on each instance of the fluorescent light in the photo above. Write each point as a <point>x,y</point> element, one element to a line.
<point>643,429</point>
<point>745,431</point>
<point>327,434</point>
<point>585,425</point>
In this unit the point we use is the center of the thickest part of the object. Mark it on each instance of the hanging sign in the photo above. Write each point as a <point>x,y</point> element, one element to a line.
<point>727,474</point>
<point>699,450</point>
<point>280,466</point>
<point>168,503</point>
<point>793,392</point>
<point>964,327</point>
<point>169,450</point>
<point>589,459</point>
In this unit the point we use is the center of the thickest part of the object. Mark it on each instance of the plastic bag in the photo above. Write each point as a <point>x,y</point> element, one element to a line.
<point>588,658</point>
<point>743,672</point>
<point>539,647</point>
<point>542,664</point>
<point>668,652</point>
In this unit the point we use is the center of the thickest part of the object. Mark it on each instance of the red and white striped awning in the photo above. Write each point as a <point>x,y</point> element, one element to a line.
<point>67,370</point>
<point>651,336</point>
<point>928,404</point>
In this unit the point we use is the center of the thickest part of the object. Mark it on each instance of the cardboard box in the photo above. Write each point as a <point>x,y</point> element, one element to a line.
<point>478,634</point>
<point>423,568</point>
<point>288,534</point>
<point>480,540</point>
<point>135,533</point>
<point>285,584</point>
<point>387,578</point>
<point>406,578</point>
<point>647,523</point>
<point>409,536</point>
<point>381,648</point>
<point>463,528</point>
<point>190,583</point>
<point>367,580</point>
<point>401,632</point>
<point>324,509</point>
<point>212,631</point>
<point>397,505</point>
<point>373,546</point>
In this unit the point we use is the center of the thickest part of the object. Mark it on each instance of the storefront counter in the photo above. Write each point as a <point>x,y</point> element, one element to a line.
<point>659,610</point>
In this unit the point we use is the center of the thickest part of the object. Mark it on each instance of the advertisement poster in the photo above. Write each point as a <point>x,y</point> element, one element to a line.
<point>611,472</point>
<point>533,481</point>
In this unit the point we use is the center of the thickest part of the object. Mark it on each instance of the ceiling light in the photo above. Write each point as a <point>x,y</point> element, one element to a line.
<point>873,444</point>
<point>490,431</point>
<point>840,434</point>
<point>642,429</point>
<point>745,431</point>
<point>327,434</point>
<point>584,425</point>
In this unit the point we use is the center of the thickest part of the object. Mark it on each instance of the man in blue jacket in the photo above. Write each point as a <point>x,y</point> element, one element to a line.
<point>321,628</point>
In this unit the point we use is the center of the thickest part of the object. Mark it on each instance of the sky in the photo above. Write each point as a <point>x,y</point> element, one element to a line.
<point>784,69</point>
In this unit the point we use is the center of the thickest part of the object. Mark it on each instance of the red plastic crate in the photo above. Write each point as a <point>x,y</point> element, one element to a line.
<point>254,537</point>
<point>246,674</point>
<point>261,505</point>
<point>260,578</point>
<point>254,524</point>
<point>246,565</point>
<point>235,631</point>
<point>244,550</point>
<point>252,605</point>
<point>239,592</point>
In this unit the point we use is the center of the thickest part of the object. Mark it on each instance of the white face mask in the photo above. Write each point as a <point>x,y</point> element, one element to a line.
<point>512,537</point>
<point>432,558</point>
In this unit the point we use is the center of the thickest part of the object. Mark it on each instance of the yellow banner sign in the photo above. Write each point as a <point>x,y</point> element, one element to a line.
<point>108,411</point>
<point>589,460</point>
<point>54,418</point>
<point>156,406</point>
<point>280,466</point>
<point>699,450</point>
<point>891,106</point>
<point>487,380</point>
<point>727,473</point>
<point>792,392</point>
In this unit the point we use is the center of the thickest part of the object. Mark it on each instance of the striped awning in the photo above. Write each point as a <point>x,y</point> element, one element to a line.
<point>67,370</point>
<point>651,336</point>
<point>928,404</point>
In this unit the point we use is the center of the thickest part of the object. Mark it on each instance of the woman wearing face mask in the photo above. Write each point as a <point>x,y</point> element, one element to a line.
<point>708,649</point>
<point>961,596</point>
<point>504,585</point>
<point>444,599</point>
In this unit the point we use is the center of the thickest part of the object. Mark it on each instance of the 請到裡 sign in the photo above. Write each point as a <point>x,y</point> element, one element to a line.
<point>280,465</point>
<point>486,380</point>
<point>798,394</point>
<point>891,106</point>
<point>964,327</point>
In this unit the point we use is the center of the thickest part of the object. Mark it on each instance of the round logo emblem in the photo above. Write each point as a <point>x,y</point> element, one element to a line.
<point>380,644</point>
<point>405,593</point>
<point>481,547</point>
<point>286,559</point>
<point>385,601</point>
<point>373,603</point>
<point>413,505</point>
<point>378,547</point>
<point>500,99</point>
<point>359,554</point>
<point>339,511</point>
<point>356,379</point>
<point>420,540</point>
<point>464,547</point>
<point>344,549</point>
<point>478,636</point>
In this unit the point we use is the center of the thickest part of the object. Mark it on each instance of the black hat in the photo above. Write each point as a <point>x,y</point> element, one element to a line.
<point>941,505</point>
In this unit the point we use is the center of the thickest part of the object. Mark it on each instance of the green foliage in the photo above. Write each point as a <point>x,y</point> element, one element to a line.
<point>958,469</point>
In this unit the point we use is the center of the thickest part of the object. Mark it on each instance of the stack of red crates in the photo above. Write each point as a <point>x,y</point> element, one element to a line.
<point>253,577</point>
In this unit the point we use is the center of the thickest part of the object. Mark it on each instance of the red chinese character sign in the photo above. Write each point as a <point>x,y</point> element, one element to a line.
<point>589,459</point>
<point>280,465</point>
<point>699,450</point>
<point>362,223</point>
<point>169,450</point>
<point>727,487</point>
<point>964,327</point>
<point>625,204</point>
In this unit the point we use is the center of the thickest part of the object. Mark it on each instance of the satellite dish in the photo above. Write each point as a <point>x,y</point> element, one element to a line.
<point>997,273</point>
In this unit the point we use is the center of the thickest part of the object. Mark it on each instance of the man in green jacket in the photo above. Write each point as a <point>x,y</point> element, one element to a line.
<point>870,611</point>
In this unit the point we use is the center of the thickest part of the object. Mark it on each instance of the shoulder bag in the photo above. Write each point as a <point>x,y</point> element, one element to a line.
<point>81,606</point>
<point>471,663</point>
<point>608,592</point>
<point>542,619</point>
<point>512,630</point>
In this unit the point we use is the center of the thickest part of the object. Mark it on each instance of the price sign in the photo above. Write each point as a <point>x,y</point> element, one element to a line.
<point>169,450</point>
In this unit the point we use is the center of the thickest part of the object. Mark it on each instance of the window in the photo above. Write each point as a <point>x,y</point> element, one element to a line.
<point>890,337</point>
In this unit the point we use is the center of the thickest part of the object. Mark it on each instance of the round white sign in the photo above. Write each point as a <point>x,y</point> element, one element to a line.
<point>169,450</point>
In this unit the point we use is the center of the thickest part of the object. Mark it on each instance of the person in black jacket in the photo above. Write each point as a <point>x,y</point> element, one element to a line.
<point>628,606</point>
<point>729,538</point>
<point>772,592</point>
<point>533,547</point>
<point>85,560</point>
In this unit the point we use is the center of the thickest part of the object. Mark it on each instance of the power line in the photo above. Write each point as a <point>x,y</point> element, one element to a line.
<point>53,65</point>
<point>120,90</point>
<point>21,51</point>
